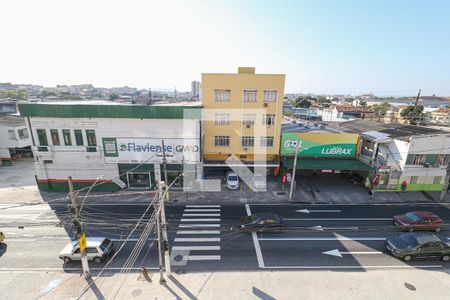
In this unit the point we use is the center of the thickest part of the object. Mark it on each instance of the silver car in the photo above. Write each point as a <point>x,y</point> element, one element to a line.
<point>97,249</point>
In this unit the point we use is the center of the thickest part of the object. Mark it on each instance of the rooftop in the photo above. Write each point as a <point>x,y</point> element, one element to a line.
<point>11,121</point>
<point>396,131</point>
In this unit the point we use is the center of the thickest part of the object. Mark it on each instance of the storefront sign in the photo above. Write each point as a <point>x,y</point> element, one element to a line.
<point>319,144</point>
<point>140,150</point>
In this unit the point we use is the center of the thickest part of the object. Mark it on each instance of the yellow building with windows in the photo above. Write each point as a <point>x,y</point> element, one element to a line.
<point>242,115</point>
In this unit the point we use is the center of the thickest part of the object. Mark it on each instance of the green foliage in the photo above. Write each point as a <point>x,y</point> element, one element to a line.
<point>413,114</point>
<point>380,110</point>
<point>348,100</point>
<point>304,103</point>
<point>14,95</point>
<point>113,96</point>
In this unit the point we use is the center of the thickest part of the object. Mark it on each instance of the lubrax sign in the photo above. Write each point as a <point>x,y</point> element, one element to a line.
<point>320,144</point>
<point>139,150</point>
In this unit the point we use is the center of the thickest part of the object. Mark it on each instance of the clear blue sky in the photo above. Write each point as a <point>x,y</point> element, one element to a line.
<point>385,47</point>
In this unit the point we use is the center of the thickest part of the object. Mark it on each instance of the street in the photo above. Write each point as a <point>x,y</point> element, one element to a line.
<point>206,237</point>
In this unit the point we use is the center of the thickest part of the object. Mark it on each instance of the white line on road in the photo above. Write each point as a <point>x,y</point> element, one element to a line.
<point>192,248</point>
<point>338,219</point>
<point>202,257</point>
<point>355,267</point>
<point>307,211</point>
<point>259,255</point>
<point>331,238</point>
<point>198,225</point>
<point>200,220</point>
<point>197,240</point>
<point>198,232</point>
<point>336,252</point>
<point>212,206</point>
<point>201,209</point>
<point>201,215</point>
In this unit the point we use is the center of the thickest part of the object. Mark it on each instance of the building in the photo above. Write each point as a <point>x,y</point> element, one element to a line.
<point>414,156</point>
<point>242,118</point>
<point>117,145</point>
<point>441,117</point>
<point>344,112</point>
<point>15,140</point>
<point>195,89</point>
<point>8,107</point>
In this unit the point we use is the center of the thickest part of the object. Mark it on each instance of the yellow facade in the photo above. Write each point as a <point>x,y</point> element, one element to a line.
<point>250,97</point>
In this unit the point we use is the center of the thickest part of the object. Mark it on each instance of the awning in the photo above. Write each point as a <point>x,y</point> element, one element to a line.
<point>221,163</point>
<point>328,164</point>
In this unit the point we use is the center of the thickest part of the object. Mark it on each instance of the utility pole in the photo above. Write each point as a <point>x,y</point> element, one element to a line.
<point>166,179</point>
<point>446,183</point>
<point>164,228</point>
<point>411,121</point>
<point>81,236</point>
<point>160,245</point>
<point>297,147</point>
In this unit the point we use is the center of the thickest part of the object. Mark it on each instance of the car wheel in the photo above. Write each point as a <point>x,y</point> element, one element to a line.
<point>97,260</point>
<point>445,258</point>
<point>411,229</point>
<point>438,229</point>
<point>407,258</point>
<point>67,259</point>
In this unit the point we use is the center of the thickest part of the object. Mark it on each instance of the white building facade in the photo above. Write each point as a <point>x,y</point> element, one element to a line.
<point>117,145</point>
<point>14,138</point>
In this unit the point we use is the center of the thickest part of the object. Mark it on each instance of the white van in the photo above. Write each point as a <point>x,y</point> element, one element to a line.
<point>97,249</point>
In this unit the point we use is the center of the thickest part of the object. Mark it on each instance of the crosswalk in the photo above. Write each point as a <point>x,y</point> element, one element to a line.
<point>198,235</point>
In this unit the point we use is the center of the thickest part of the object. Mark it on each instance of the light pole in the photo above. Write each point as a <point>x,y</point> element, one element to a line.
<point>297,148</point>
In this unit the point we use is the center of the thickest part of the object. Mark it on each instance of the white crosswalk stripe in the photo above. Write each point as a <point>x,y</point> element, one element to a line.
<point>191,237</point>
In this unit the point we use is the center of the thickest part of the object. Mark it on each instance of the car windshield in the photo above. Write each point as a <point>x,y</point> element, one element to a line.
<point>105,244</point>
<point>409,239</point>
<point>232,178</point>
<point>412,216</point>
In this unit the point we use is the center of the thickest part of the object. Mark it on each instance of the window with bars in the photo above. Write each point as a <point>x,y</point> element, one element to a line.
<point>270,96</point>
<point>222,141</point>
<point>23,133</point>
<point>247,141</point>
<point>91,140</point>
<point>419,159</point>
<point>248,119</point>
<point>42,137</point>
<point>250,95</point>
<point>443,160</point>
<point>66,137</point>
<point>222,95</point>
<point>269,119</point>
<point>222,119</point>
<point>55,137</point>
<point>267,141</point>
<point>79,137</point>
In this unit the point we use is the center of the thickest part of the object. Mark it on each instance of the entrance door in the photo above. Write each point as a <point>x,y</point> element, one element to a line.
<point>139,180</point>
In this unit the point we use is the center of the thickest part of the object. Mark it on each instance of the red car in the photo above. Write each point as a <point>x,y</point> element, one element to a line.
<point>419,220</point>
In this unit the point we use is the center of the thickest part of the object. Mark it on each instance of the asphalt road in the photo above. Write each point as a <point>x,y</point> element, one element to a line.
<point>206,238</point>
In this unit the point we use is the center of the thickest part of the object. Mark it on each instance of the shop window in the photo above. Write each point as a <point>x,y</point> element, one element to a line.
<point>413,179</point>
<point>443,160</point>
<point>91,140</point>
<point>419,159</point>
<point>222,141</point>
<point>42,137</point>
<point>66,137</point>
<point>437,179</point>
<point>79,137</point>
<point>55,137</point>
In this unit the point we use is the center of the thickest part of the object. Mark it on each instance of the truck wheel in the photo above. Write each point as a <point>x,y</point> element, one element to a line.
<point>97,260</point>
<point>407,258</point>
<point>67,259</point>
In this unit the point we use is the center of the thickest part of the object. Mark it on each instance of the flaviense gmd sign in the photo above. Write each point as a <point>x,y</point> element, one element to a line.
<point>320,144</point>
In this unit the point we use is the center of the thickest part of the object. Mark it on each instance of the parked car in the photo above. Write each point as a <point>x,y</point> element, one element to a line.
<point>261,221</point>
<point>2,237</point>
<point>418,245</point>
<point>232,181</point>
<point>419,220</point>
<point>97,249</point>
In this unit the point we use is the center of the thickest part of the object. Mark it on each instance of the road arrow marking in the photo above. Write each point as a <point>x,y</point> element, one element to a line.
<point>336,252</point>
<point>307,211</point>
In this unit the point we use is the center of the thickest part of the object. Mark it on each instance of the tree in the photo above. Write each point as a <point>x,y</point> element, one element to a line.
<point>412,113</point>
<point>380,110</point>
<point>14,95</point>
<point>302,102</point>
<point>113,96</point>
<point>363,103</point>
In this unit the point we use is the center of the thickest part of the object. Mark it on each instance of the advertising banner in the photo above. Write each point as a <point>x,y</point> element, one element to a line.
<point>148,150</point>
<point>319,144</point>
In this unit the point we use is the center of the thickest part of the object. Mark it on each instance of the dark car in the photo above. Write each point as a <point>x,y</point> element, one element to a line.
<point>418,245</point>
<point>261,222</point>
<point>419,220</point>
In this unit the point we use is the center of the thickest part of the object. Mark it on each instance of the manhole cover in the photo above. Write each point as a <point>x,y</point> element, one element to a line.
<point>409,286</point>
<point>178,258</point>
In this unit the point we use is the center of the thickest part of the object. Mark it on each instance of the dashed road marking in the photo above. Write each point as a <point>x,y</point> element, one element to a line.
<point>200,220</point>
<point>201,215</point>
<point>212,206</point>
<point>198,225</point>
<point>198,232</point>
<point>195,248</point>
<point>197,239</point>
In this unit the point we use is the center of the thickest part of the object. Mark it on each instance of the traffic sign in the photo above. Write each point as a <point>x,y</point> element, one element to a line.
<point>82,242</point>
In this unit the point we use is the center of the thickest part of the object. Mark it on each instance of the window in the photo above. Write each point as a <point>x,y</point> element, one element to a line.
<point>91,140</point>
<point>79,137</point>
<point>268,119</point>
<point>23,133</point>
<point>11,135</point>
<point>437,179</point>
<point>413,179</point>
<point>267,141</point>
<point>248,119</point>
<point>42,137</point>
<point>222,141</point>
<point>443,160</point>
<point>91,250</point>
<point>222,95</point>
<point>66,137</point>
<point>222,119</point>
<point>270,96</point>
<point>419,159</point>
<point>55,137</point>
<point>250,96</point>
<point>247,141</point>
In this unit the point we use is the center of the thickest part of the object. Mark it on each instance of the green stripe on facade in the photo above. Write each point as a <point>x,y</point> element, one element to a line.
<point>108,111</point>
<point>59,186</point>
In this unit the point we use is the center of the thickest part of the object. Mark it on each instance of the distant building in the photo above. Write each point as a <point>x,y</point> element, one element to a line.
<point>124,90</point>
<point>195,89</point>
<point>14,138</point>
<point>344,112</point>
<point>8,107</point>
<point>440,116</point>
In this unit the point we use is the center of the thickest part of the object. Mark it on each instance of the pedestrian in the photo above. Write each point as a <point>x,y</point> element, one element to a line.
<point>371,194</point>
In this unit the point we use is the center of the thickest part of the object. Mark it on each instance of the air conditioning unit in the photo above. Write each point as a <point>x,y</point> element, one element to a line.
<point>426,165</point>
<point>266,104</point>
<point>248,125</point>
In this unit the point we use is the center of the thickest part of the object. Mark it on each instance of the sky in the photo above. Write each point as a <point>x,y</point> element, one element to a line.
<point>323,47</point>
